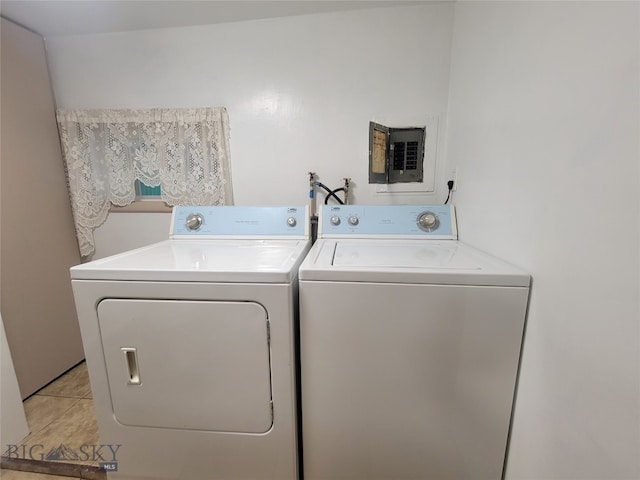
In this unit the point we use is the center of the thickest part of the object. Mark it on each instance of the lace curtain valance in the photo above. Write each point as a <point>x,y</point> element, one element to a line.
<point>184,151</point>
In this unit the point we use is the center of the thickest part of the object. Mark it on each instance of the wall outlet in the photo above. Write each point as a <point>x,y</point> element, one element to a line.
<point>454,176</point>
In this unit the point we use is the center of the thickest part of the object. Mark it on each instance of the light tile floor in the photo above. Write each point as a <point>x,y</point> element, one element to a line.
<point>61,414</point>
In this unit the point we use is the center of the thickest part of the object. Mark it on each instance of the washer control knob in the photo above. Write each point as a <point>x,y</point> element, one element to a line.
<point>194,221</point>
<point>354,220</point>
<point>428,221</point>
<point>292,222</point>
<point>335,220</point>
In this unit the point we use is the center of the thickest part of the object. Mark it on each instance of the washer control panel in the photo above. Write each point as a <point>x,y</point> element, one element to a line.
<point>239,221</point>
<point>433,221</point>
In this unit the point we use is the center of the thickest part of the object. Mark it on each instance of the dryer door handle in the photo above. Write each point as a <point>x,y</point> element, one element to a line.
<point>131,359</point>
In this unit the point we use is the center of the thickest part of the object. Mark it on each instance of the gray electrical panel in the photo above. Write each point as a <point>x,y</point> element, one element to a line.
<point>395,154</point>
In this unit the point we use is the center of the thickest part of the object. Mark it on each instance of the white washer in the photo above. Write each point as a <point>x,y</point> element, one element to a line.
<point>410,344</point>
<point>190,346</point>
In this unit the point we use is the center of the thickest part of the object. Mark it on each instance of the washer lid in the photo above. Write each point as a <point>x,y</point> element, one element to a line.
<point>229,261</point>
<point>407,261</point>
<point>431,255</point>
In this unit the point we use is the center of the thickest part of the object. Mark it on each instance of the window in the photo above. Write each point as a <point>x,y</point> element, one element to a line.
<point>148,200</point>
<point>145,192</point>
<point>113,157</point>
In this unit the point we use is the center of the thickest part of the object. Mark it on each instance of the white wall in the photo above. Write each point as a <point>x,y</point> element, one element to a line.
<point>544,127</point>
<point>126,231</point>
<point>300,90</point>
<point>13,422</point>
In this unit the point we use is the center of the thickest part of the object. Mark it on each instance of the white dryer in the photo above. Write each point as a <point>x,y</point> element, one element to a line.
<point>190,346</point>
<point>410,344</point>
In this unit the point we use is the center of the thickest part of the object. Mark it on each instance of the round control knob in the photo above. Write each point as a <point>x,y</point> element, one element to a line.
<point>292,222</point>
<point>335,220</point>
<point>428,221</point>
<point>354,220</point>
<point>194,221</point>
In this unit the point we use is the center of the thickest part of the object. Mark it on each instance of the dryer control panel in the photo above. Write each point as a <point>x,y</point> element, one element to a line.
<point>389,221</point>
<point>239,222</point>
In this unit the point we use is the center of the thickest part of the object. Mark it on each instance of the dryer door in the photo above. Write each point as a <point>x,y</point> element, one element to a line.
<point>196,365</point>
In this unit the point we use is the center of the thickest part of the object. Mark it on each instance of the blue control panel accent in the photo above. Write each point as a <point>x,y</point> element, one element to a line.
<point>231,221</point>
<point>397,220</point>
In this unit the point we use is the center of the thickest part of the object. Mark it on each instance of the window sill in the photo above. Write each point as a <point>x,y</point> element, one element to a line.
<point>143,206</point>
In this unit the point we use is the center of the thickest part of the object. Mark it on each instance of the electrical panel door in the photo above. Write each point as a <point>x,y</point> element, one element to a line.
<point>396,155</point>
